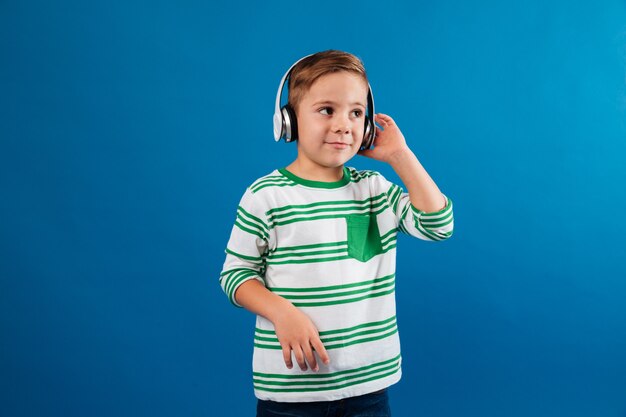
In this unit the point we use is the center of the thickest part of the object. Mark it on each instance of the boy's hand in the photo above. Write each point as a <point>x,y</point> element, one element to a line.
<point>389,142</point>
<point>296,332</point>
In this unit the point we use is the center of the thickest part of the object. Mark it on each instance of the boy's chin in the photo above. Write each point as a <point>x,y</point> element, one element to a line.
<point>337,164</point>
<point>340,162</point>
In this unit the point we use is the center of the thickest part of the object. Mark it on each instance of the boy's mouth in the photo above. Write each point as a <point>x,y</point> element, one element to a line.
<point>338,145</point>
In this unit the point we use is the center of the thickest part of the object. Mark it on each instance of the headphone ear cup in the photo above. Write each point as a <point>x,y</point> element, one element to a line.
<point>368,135</point>
<point>290,123</point>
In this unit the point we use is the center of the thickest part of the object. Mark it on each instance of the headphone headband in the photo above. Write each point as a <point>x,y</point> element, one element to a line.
<point>278,120</point>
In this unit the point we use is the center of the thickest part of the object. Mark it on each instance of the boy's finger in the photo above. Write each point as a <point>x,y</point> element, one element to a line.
<point>310,358</point>
<point>321,350</point>
<point>297,351</point>
<point>287,356</point>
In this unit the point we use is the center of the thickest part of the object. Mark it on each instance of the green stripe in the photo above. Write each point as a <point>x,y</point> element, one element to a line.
<point>333,287</point>
<point>389,233</point>
<point>256,190</point>
<point>447,212</point>
<point>369,292</point>
<point>360,326</point>
<point>344,334</point>
<point>234,281</point>
<point>388,248</point>
<point>328,381</point>
<point>356,176</point>
<point>336,216</point>
<point>359,341</point>
<point>397,368</point>
<point>269,182</point>
<point>359,178</point>
<point>345,301</point>
<point>254,232</point>
<point>246,257</point>
<point>338,345</point>
<point>448,207</point>
<point>405,211</point>
<point>358,334</point>
<point>273,218</point>
<point>426,233</point>
<point>228,271</point>
<point>394,197</point>
<point>340,294</point>
<point>317,184</point>
<point>434,217</point>
<point>311,260</point>
<point>388,237</point>
<point>236,277</point>
<point>255,219</point>
<point>437,223</point>
<point>270,178</point>
<point>322,259</point>
<point>232,285</point>
<point>270,347</point>
<point>311,253</point>
<point>436,227</point>
<point>326,376</point>
<point>308,257</point>
<point>311,246</point>
<point>392,240</point>
<point>322,203</point>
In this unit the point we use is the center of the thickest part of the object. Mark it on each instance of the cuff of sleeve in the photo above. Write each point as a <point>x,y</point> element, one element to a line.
<point>234,282</point>
<point>436,219</point>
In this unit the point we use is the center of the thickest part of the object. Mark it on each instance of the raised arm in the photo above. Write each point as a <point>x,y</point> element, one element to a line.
<point>425,212</point>
<point>390,147</point>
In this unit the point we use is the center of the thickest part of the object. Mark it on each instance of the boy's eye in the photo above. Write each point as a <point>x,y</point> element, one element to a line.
<point>326,111</point>
<point>357,113</point>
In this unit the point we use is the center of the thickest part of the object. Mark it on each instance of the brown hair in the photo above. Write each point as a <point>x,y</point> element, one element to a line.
<point>307,71</point>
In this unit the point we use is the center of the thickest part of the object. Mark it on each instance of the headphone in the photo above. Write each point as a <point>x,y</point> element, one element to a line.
<point>286,124</point>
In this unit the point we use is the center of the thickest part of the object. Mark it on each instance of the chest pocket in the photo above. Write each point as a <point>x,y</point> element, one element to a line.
<point>363,237</point>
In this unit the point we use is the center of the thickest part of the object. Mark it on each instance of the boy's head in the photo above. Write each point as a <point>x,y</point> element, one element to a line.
<point>329,97</point>
<point>311,68</point>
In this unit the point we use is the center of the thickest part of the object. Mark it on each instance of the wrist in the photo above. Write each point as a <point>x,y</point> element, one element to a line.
<point>280,309</point>
<point>401,156</point>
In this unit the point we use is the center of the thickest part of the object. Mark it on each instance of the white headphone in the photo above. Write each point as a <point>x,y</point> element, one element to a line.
<point>286,124</point>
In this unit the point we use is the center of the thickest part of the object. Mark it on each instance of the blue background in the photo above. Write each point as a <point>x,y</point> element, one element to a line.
<point>129,131</point>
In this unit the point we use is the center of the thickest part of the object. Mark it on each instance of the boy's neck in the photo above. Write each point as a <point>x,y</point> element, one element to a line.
<point>316,173</point>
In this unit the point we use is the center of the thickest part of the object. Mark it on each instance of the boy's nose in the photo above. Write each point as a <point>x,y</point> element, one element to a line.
<point>341,125</point>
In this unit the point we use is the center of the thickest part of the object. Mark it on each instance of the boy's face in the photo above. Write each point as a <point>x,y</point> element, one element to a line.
<point>331,119</point>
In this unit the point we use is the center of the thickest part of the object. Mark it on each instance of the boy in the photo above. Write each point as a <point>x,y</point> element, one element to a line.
<point>312,252</point>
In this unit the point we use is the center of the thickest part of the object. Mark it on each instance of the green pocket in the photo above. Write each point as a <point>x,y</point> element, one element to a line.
<point>363,237</point>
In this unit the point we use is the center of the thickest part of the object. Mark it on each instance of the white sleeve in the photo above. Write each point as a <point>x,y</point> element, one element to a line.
<point>246,250</point>
<point>432,226</point>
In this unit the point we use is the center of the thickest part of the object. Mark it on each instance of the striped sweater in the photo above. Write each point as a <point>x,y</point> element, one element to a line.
<point>328,248</point>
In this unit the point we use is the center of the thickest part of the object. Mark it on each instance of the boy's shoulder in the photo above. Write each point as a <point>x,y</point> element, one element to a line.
<point>277,179</point>
<point>273,179</point>
<point>359,175</point>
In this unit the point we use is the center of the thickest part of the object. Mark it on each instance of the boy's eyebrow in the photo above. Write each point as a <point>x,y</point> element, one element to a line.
<point>356,103</point>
